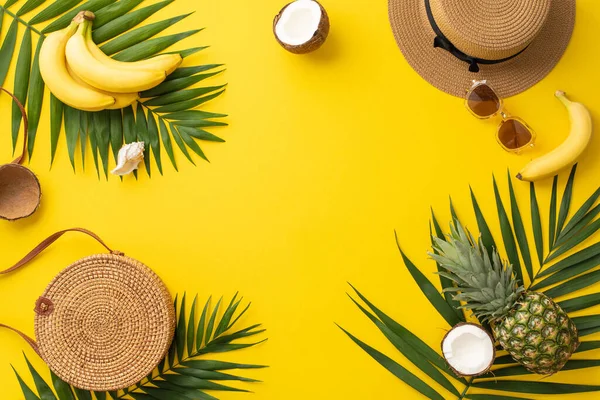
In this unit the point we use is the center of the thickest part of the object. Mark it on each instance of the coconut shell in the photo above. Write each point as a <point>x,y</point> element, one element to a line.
<point>20,192</point>
<point>315,42</point>
<point>460,374</point>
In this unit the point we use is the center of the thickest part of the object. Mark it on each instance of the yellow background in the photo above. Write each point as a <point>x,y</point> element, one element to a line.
<point>326,155</point>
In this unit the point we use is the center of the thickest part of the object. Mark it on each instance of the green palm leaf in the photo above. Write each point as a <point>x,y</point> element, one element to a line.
<point>119,25</point>
<point>189,373</point>
<point>565,278</point>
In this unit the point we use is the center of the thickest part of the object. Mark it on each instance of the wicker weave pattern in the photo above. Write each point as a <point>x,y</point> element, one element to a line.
<point>113,322</point>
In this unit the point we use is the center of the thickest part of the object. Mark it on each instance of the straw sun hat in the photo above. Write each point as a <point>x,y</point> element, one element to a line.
<point>512,44</point>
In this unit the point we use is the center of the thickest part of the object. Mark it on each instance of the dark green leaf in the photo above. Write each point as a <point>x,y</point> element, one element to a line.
<point>227,315</point>
<point>486,235</point>
<point>177,84</point>
<point>41,386</point>
<point>211,322</point>
<point>211,375</point>
<point>580,303</point>
<point>101,121</point>
<point>180,143</point>
<point>116,132</point>
<point>129,130</point>
<point>141,128</point>
<point>154,141</point>
<point>23,71</point>
<point>166,141</point>
<point>100,395</point>
<point>552,219</point>
<point>577,239</point>
<point>569,273</point>
<point>186,105</point>
<point>53,10</point>
<point>587,218</point>
<point>139,35</point>
<point>191,326</point>
<point>189,393</point>
<point>197,383</point>
<point>201,326</point>
<point>231,325</point>
<point>151,47</point>
<point>56,116</point>
<point>574,285</point>
<point>536,224</point>
<point>65,19</point>
<point>181,95</point>
<point>493,397</point>
<point>188,52</point>
<point>27,392</point>
<point>183,72</point>
<point>9,3</point>
<point>181,330</point>
<point>125,22</point>
<point>35,99</point>
<point>241,334</point>
<point>399,371</point>
<point>413,340</point>
<point>82,394</point>
<point>536,387</point>
<point>189,141</point>
<point>200,123</point>
<point>193,115</point>
<point>199,134</point>
<point>580,214</point>
<point>506,359</point>
<point>587,322</point>
<point>164,394</point>
<point>93,140</point>
<point>429,290</point>
<point>410,353</point>
<point>507,235</point>
<point>445,282</point>
<point>211,365</point>
<point>83,134</point>
<point>587,346</point>
<point>8,48</point>
<point>514,370</point>
<point>565,203</point>
<point>582,255</point>
<point>580,364</point>
<point>114,11</point>
<point>71,131</point>
<point>29,5</point>
<point>519,229</point>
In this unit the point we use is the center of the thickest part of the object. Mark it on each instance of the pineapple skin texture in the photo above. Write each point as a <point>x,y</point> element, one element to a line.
<point>538,334</point>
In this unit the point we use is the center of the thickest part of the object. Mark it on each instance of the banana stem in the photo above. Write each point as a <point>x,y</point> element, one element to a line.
<point>562,96</point>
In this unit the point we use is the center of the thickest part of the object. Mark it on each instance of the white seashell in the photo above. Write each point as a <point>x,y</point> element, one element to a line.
<point>130,156</point>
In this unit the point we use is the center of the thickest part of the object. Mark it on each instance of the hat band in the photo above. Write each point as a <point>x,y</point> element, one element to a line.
<point>443,42</point>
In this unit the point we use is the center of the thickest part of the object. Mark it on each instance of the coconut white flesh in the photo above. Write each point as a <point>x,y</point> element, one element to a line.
<point>298,22</point>
<point>468,349</point>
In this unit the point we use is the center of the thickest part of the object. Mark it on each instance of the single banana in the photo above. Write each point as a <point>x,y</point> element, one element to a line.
<point>569,151</point>
<point>122,100</point>
<point>162,62</point>
<point>102,76</point>
<point>53,68</point>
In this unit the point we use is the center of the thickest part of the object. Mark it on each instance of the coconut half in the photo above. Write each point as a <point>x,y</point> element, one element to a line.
<point>469,350</point>
<point>20,192</point>
<point>302,26</point>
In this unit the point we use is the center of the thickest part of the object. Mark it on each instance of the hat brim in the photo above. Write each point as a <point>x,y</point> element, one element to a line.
<point>414,36</point>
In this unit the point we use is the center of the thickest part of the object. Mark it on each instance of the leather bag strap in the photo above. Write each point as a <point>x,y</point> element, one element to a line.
<point>29,340</point>
<point>21,158</point>
<point>51,239</point>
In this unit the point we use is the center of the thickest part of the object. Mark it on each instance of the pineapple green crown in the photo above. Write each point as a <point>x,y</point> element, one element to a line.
<point>487,286</point>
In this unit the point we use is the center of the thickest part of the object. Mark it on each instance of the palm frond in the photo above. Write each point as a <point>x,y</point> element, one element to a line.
<point>187,371</point>
<point>565,273</point>
<point>117,28</point>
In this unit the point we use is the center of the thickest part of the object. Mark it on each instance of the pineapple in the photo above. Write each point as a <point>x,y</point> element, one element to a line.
<point>529,325</point>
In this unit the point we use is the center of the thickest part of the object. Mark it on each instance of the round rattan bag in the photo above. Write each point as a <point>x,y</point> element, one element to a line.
<point>104,322</point>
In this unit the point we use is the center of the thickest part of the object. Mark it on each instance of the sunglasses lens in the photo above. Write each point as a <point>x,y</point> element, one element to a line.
<point>483,101</point>
<point>513,134</point>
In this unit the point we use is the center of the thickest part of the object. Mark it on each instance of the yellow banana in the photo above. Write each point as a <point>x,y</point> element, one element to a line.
<point>567,153</point>
<point>102,76</point>
<point>53,69</point>
<point>122,100</point>
<point>163,62</point>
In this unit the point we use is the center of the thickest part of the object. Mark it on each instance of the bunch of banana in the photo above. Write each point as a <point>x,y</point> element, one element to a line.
<point>80,75</point>
<point>569,151</point>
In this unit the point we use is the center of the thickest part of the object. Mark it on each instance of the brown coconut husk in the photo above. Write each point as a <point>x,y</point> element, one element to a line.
<point>315,42</point>
<point>458,373</point>
<point>20,191</point>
